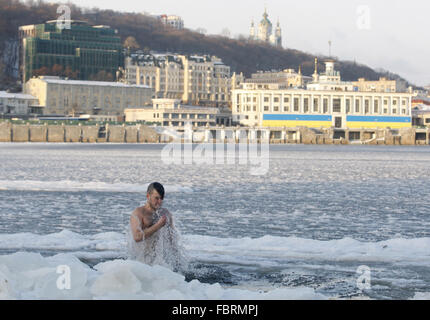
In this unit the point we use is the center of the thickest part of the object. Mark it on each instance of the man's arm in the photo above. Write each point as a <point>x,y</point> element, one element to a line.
<point>154,228</point>
<point>135,227</point>
<point>138,233</point>
<point>168,215</point>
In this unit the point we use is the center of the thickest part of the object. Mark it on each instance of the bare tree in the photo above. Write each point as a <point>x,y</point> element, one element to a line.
<point>131,43</point>
<point>102,76</point>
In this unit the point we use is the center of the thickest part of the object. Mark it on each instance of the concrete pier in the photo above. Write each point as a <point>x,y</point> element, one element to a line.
<point>38,133</point>
<point>56,133</point>
<point>131,134</point>
<point>90,133</point>
<point>116,134</point>
<point>21,133</point>
<point>73,133</point>
<point>5,132</point>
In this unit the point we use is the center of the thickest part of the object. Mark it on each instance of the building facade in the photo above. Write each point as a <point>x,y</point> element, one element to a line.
<point>420,101</point>
<point>172,21</point>
<point>382,85</point>
<point>277,107</point>
<point>82,51</point>
<point>65,97</point>
<point>330,80</point>
<point>265,32</point>
<point>198,80</point>
<point>18,104</point>
<point>170,112</point>
<point>421,115</point>
<point>326,102</point>
<point>288,77</point>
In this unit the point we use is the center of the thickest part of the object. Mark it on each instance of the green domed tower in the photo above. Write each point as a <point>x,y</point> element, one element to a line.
<point>265,28</point>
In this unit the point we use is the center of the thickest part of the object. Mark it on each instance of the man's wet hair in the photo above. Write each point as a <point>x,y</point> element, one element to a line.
<point>156,186</point>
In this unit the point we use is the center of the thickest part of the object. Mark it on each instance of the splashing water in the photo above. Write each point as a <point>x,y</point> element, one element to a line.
<point>163,248</point>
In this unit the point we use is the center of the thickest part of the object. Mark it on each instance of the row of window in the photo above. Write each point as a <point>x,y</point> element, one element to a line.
<point>14,109</point>
<point>337,106</point>
<point>185,116</point>
<point>325,110</point>
<point>14,101</point>
<point>95,101</point>
<point>96,89</point>
<point>174,78</point>
<point>221,97</point>
<point>181,124</point>
<point>278,99</point>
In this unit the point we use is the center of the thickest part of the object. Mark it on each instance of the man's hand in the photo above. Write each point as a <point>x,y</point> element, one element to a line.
<point>161,223</point>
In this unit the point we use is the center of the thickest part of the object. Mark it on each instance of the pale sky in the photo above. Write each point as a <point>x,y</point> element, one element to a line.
<point>388,34</point>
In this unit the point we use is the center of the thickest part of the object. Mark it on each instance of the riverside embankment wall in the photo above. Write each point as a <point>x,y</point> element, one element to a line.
<point>10,132</point>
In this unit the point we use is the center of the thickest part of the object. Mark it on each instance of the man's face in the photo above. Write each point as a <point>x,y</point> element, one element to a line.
<point>154,200</point>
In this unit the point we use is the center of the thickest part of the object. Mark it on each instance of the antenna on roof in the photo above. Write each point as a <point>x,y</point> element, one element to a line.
<point>329,48</point>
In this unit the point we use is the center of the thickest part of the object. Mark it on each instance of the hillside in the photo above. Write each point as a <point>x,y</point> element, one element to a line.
<point>241,55</point>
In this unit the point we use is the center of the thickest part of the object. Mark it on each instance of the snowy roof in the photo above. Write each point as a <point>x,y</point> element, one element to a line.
<point>187,107</point>
<point>422,107</point>
<point>4,94</point>
<point>93,83</point>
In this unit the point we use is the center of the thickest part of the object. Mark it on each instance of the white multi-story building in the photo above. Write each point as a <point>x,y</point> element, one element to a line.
<point>327,102</point>
<point>421,115</point>
<point>199,80</point>
<point>64,97</point>
<point>18,104</point>
<point>172,21</point>
<point>276,107</point>
<point>330,80</point>
<point>288,77</point>
<point>381,85</point>
<point>170,112</point>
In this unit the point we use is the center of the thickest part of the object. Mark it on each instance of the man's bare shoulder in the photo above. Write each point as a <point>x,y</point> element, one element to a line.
<point>140,211</point>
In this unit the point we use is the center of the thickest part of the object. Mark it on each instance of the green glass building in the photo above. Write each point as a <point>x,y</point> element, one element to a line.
<point>86,50</point>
